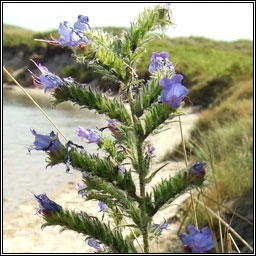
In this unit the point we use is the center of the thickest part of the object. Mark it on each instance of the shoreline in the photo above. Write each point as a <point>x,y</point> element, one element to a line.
<point>21,227</point>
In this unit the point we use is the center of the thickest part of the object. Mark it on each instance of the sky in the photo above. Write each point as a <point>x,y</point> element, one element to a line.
<point>219,21</point>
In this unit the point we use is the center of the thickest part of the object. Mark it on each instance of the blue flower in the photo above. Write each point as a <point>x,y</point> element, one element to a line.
<point>122,170</point>
<point>71,36</point>
<point>95,244</point>
<point>174,92</point>
<point>103,207</point>
<point>152,151</point>
<point>46,206</point>
<point>47,79</point>
<point>162,226</point>
<point>198,241</point>
<point>160,61</point>
<point>46,143</point>
<point>88,134</point>
<point>81,188</point>
<point>82,24</point>
<point>198,170</point>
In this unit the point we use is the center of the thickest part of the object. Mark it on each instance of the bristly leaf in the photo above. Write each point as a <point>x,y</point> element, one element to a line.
<point>148,179</point>
<point>92,99</point>
<point>170,189</point>
<point>139,33</point>
<point>92,164</point>
<point>148,95</point>
<point>157,114</point>
<point>92,227</point>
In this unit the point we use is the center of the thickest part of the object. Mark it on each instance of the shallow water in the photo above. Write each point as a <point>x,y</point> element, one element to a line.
<point>23,171</point>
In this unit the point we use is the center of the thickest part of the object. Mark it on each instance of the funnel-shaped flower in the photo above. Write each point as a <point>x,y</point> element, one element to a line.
<point>47,79</point>
<point>46,205</point>
<point>174,92</point>
<point>103,207</point>
<point>88,134</point>
<point>45,142</point>
<point>82,23</point>
<point>198,241</point>
<point>81,188</point>
<point>95,244</point>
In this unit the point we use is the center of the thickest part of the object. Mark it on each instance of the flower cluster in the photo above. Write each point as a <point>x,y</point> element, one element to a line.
<point>72,36</point>
<point>173,91</point>
<point>160,62</point>
<point>197,241</point>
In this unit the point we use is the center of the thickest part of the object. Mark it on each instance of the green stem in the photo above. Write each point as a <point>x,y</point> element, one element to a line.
<point>142,174</point>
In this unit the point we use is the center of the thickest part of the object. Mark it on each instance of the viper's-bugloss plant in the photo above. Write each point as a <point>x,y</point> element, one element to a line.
<point>141,109</point>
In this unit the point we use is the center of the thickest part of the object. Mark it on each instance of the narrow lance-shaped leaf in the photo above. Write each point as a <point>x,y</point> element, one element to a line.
<point>148,95</point>
<point>156,116</point>
<point>91,99</point>
<point>96,166</point>
<point>92,227</point>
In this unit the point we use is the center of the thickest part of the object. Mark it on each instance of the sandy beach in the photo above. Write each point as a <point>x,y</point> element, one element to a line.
<point>21,228</point>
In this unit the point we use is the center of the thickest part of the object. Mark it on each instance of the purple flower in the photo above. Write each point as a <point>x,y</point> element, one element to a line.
<point>163,226</point>
<point>198,241</point>
<point>95,244</point>
<point>160,61</point>
<point>122,170</point>
<point>81,188</point>
<point>152,151</point>
<point>103,207</point>
<point>198,170</point>
<point>174,92</point>
<point>44,142</point>
<point>88,134</point>
<point>46,206</point>
<point>82,24</point>
<point>70,36</point>
<point>47,79</point>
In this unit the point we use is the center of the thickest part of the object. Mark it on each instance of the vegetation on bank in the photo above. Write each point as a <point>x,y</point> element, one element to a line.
<point>210,67</point>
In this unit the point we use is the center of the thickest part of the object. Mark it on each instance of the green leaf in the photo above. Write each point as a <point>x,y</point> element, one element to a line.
<point>148,179</point>
<point>92,164</point>
<point>148,95</point>
<point>91,226</point>
<point>92,99</point>
<point>156,115</point>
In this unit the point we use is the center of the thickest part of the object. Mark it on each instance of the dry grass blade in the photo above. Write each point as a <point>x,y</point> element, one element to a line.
<point>224,207</point>
<point>184,218</point>
<point>233,241</point>
<point>225,224</point>
<point>220,231</point>
<point>229,243</point>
